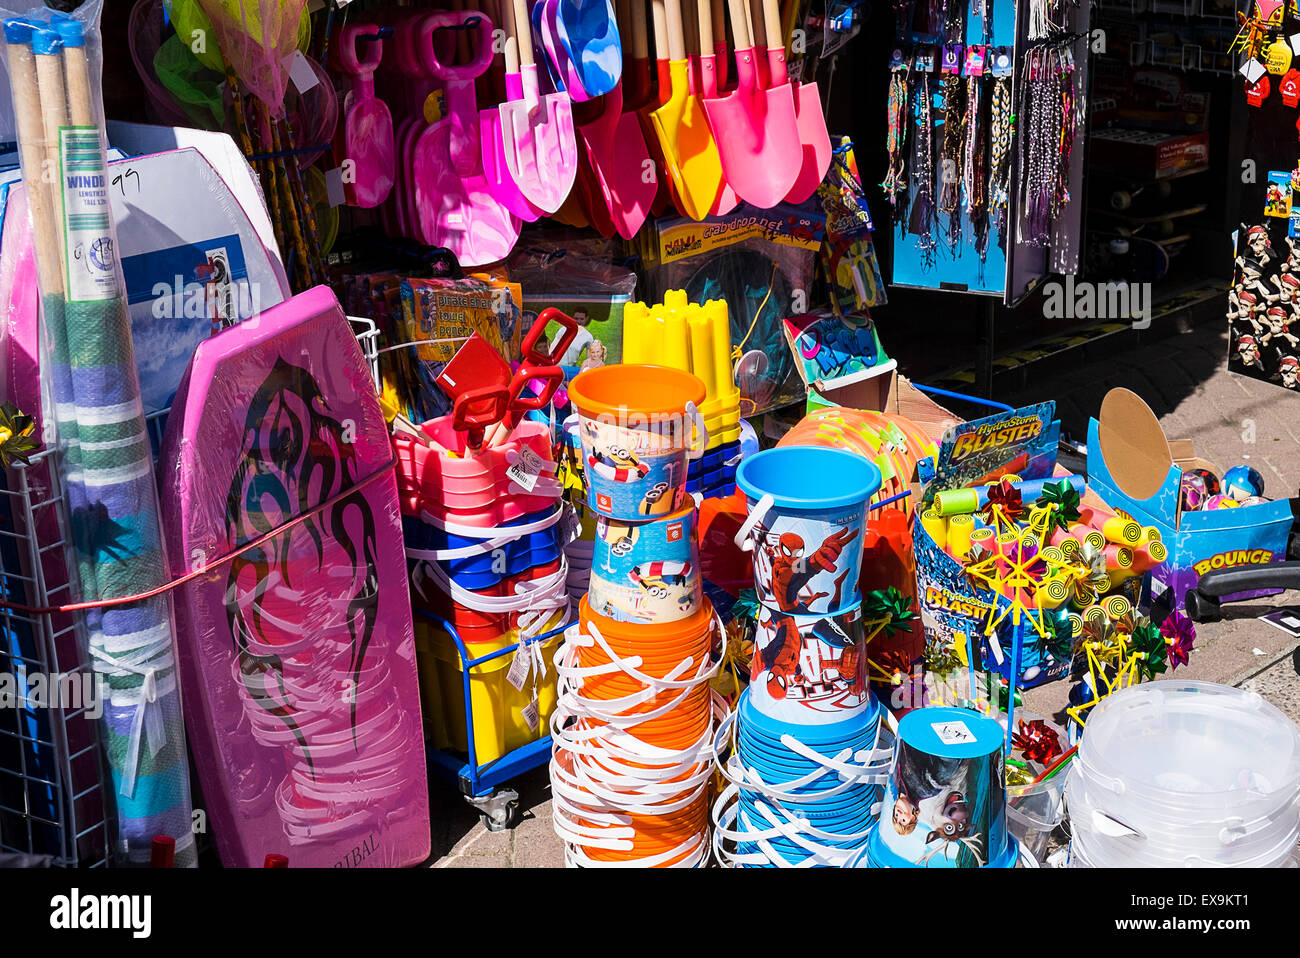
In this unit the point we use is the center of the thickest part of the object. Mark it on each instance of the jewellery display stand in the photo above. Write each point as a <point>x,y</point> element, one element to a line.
<point>997,78</point>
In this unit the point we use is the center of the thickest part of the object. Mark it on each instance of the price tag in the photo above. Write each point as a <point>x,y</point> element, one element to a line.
<point>530,715</point>
<point>952,733</point>
<point>334,190</point>
<point>525,470</point>
<point>520,666</point>
<point>301,73</point>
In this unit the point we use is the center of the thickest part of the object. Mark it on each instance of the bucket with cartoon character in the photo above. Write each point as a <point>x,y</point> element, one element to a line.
<point>810,669</point>
<point>945,802</point>
<point>807,513</point>
<point>646,572</point>
<point>638,426</point>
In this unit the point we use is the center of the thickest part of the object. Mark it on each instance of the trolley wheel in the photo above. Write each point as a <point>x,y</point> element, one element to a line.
<point>507,819</point>
<point>498,811</point>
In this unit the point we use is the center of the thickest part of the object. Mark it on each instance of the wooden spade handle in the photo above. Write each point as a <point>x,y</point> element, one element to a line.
<point>640,37</point>
<point>772,25</point>
<point>704,20</point>
<point>740,24</point>
<point>660,25</point>
<point>676,38</point>
<point>511,47</point>
<point>719,18</point>
<point>523,33</point>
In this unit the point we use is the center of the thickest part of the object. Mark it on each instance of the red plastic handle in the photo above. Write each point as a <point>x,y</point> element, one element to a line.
<point>568,331</point>
<point>481,43</point>
<point>520,402</point>
<point>476,409</point>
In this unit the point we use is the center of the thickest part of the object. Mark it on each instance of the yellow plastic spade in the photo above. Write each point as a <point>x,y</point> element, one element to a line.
<point>694,177</point>
<point>701,163</point>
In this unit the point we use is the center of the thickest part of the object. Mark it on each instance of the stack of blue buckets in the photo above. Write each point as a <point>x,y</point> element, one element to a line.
<point>803,793</point>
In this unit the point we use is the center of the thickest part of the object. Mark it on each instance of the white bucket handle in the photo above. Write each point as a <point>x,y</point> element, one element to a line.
<point>493,536</point>
<point>760,510</point>
<point>700,443</point>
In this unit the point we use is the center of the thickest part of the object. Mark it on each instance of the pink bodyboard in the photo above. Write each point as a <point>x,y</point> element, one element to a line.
<point>298,657</point>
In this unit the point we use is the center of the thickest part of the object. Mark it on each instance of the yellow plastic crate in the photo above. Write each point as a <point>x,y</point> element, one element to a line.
<point>499,725</point>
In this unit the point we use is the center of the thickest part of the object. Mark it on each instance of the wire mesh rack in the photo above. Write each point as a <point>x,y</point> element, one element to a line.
<point>53,802</point>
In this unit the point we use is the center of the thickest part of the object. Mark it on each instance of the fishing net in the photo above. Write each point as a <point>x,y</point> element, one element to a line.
<point>257,37</point>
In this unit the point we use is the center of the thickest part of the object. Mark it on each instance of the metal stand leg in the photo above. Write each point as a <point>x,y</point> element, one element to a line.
<point>984,348</point>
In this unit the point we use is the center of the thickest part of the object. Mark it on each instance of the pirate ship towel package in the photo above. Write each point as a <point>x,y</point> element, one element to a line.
<point>944,805</point>
<point>297,655</point>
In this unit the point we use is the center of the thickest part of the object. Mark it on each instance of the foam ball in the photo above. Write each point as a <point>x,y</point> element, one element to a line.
<point>1212,486</point>
<point>1192,492</point>
<point>1221,502</point>
<point>1242,482</point>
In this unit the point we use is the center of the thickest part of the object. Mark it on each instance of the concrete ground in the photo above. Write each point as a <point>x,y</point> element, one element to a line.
<point>1185,381</point>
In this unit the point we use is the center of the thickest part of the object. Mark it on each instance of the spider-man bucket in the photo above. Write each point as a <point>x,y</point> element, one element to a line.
<point>810,669</point>
<point>646,572</point>
<point>638,426</point>
<point>945,805</point>
<point>807,512</point>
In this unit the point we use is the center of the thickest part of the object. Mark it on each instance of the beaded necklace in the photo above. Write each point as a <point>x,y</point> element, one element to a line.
<point>895,184</point>
<point>954,116</point>
<point>1001,130</point>
<point>923,212</point>
<point>973,169</point>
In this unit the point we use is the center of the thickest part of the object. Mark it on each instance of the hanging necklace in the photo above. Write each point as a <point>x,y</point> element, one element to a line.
<point>973,169</point>
<point>922,215</point>
<point>895,184</point>
<point>950,175</point>
<point>1001,122</point>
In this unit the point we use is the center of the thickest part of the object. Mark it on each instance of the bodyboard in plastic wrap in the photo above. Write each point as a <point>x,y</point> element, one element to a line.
<point>297,657</point>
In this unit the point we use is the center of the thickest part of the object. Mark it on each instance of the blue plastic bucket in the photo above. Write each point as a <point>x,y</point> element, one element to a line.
<point>638,426</point>
<point>810,669</point>
<point>482,565</point>
<point>945,801</point>
<point>646,572</point>
<point>807,516</point>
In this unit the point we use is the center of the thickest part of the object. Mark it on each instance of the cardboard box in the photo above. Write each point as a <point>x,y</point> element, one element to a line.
<point>1146,153</point>
<point>1137,471</point>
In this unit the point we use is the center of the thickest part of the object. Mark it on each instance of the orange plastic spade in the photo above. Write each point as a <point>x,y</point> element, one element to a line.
<point>756,130</point>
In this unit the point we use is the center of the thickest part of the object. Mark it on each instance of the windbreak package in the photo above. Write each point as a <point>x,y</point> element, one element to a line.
<point>54,63</point>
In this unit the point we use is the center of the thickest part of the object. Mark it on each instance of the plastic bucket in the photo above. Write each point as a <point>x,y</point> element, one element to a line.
<point>810,669</point>
<point>646,572</point>
<point>472,489</point>
<point>945,803</point>
<point>807,516</point>
<point>636,424</point>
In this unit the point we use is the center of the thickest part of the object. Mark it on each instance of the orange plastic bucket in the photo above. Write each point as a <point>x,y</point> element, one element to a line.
<point>638,425</point>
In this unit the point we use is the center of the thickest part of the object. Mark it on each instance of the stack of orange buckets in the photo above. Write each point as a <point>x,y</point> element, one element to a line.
<point>634,724</point>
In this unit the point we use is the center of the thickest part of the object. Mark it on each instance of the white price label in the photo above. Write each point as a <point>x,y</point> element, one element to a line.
<point>525,470</point>
<point>301,73</point>
<point>520,666</point>
<point>87,227</point>
<point>953,733</point>
<point>531,716</point>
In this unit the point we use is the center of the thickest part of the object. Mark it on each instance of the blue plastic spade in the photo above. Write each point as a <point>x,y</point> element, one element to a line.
<point>588,34</point>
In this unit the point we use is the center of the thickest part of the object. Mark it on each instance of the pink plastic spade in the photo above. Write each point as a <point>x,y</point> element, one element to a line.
<point>367,124</point>
<point>537,137</point>
<point>453,198</point>
<point>495,168</point>
<point>813,136</point>
<point>417,83</point>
